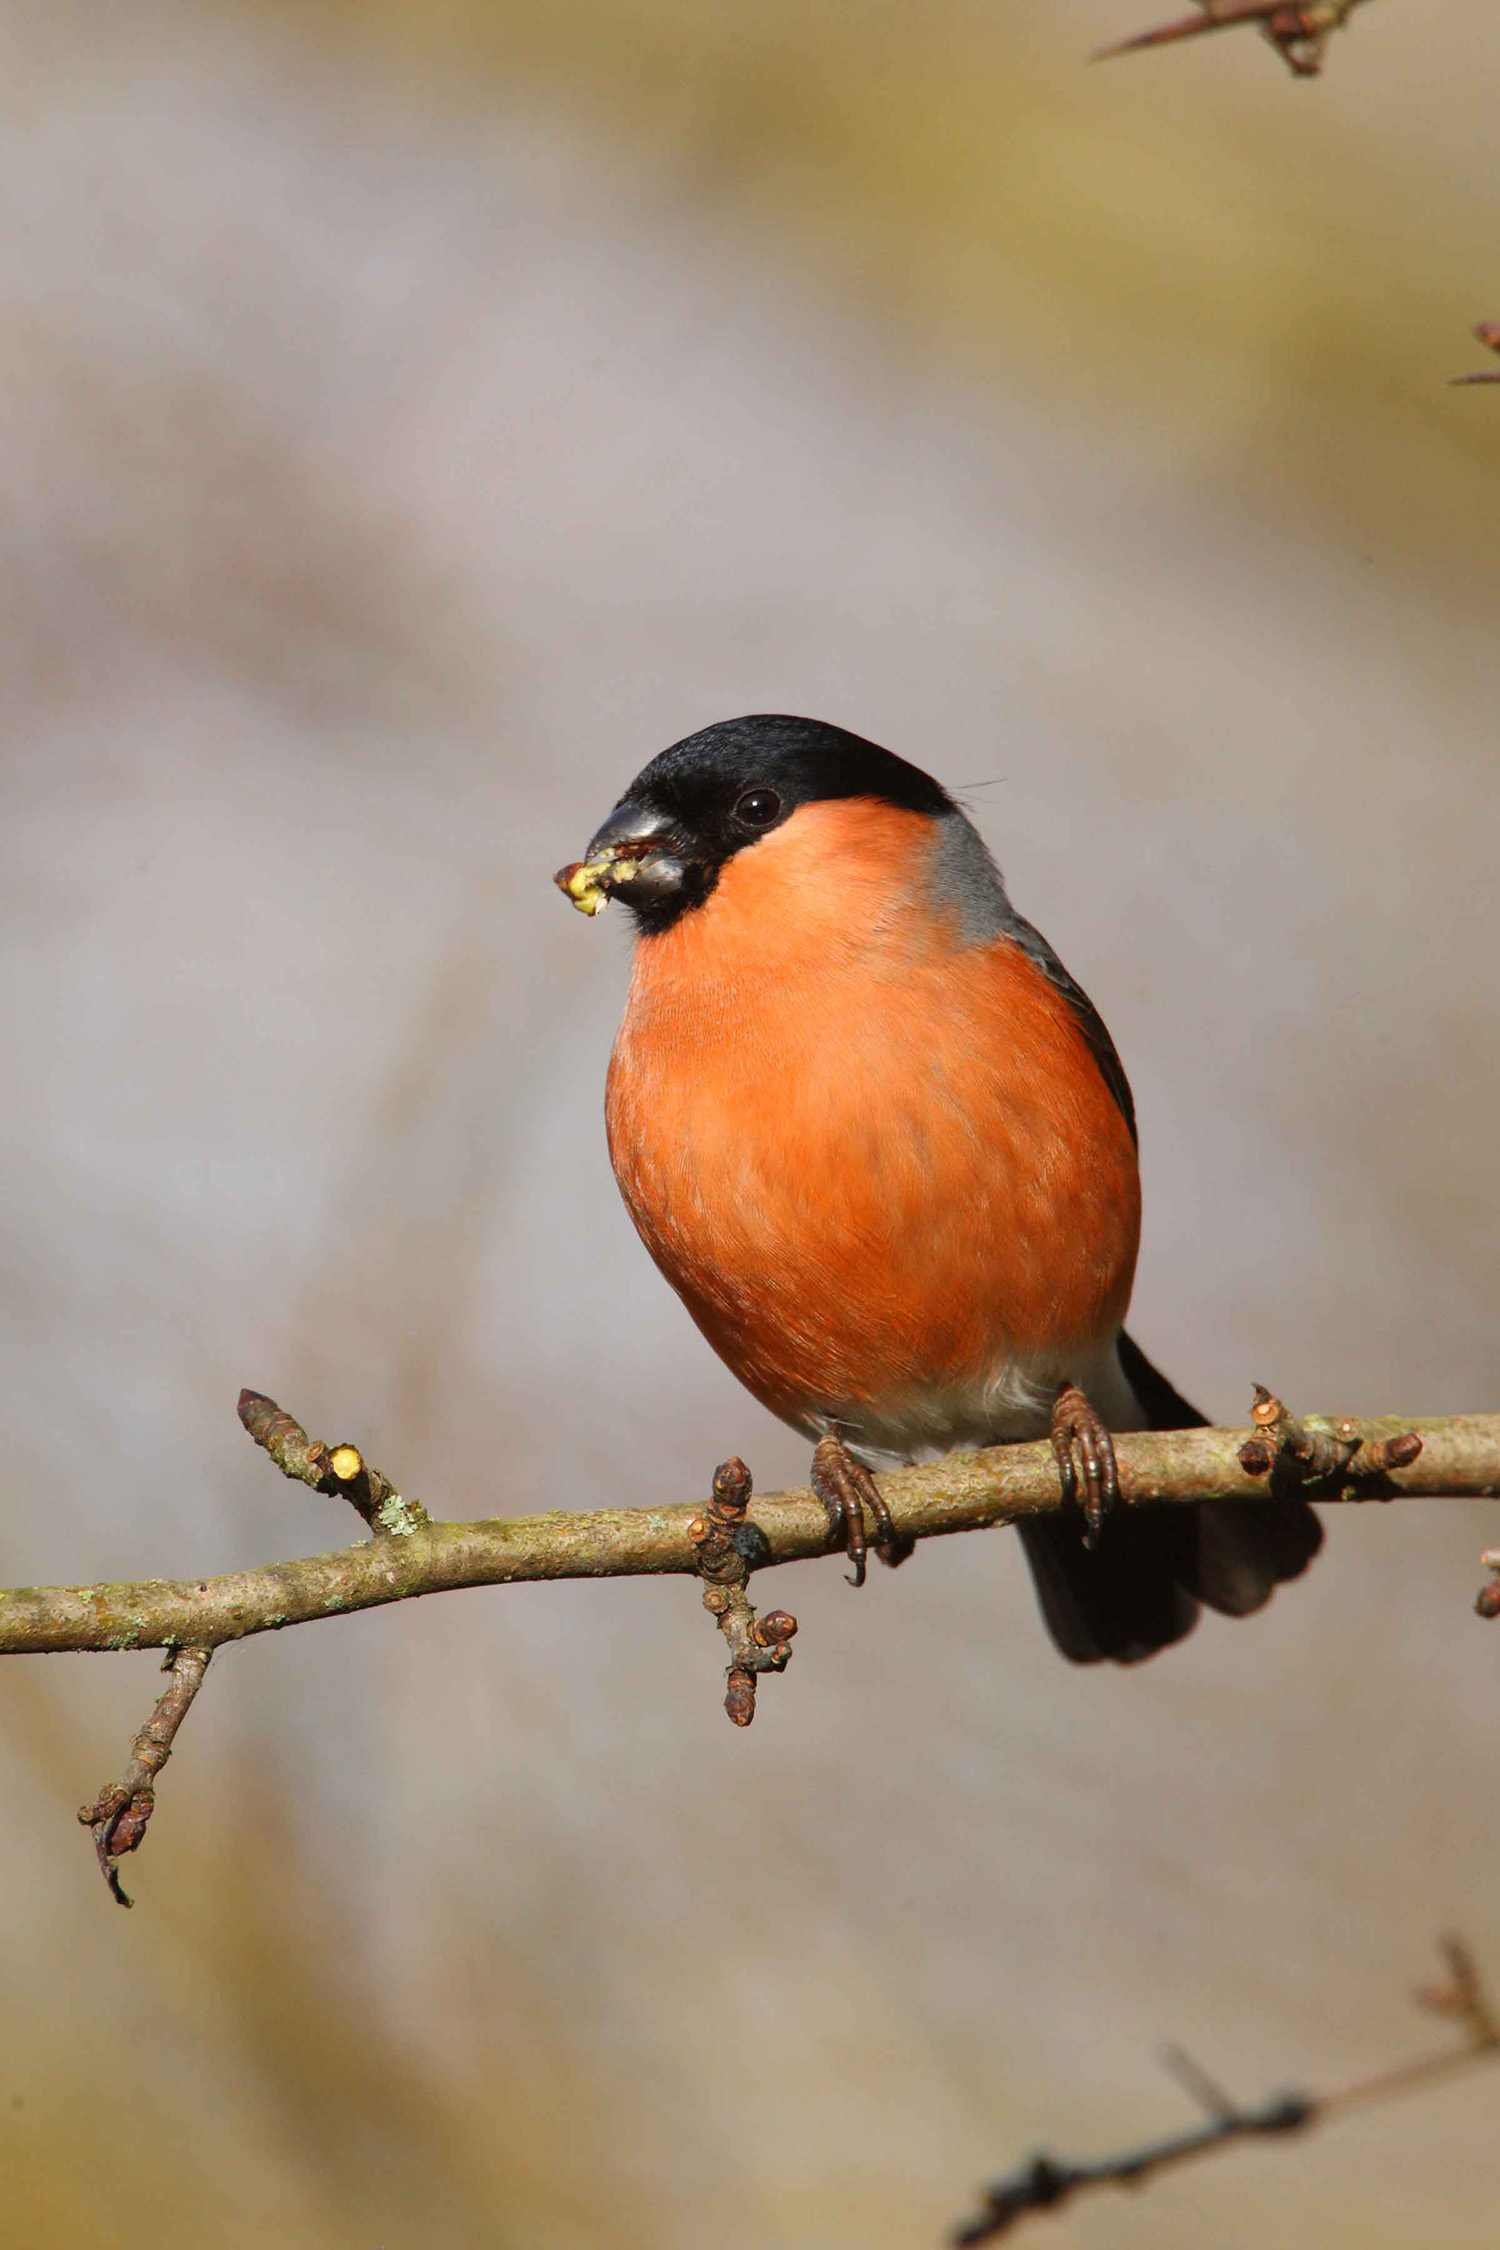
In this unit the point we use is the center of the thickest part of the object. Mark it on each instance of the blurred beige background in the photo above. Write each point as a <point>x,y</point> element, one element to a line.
<point>410,420</point>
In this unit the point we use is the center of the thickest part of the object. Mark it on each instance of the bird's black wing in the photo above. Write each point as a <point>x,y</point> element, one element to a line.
<point>1141,1587</point>
<point>1085,1014</point>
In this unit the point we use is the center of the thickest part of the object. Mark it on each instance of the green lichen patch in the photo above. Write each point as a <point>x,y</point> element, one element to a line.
<point>400,1518</point>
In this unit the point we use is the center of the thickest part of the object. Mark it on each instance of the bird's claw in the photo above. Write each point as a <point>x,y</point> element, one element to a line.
<point>846,1488</point>
<point>1085,1454</point>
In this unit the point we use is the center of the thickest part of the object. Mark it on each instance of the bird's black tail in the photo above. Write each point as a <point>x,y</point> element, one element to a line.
<point>1141,1587</point>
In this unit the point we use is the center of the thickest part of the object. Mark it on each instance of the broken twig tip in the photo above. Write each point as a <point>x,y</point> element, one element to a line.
<point>342,1469</point>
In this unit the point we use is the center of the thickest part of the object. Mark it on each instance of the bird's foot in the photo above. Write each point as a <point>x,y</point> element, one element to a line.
<point>846,1488</point>
<point>1085,1459</point>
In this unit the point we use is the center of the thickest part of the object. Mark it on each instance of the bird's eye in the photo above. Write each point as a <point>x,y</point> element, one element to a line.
<point>758,808</point>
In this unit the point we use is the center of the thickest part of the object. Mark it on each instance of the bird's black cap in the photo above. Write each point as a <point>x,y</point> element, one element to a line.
<point>805,760</point>
<point>712,794</point>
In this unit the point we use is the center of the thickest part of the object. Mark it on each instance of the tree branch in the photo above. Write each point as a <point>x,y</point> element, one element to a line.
<point>408,1554</point>
<point>1046,2181</point>
<point>1459,1458</point>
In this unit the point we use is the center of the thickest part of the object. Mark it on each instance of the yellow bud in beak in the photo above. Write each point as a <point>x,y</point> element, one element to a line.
<point>588,882</point>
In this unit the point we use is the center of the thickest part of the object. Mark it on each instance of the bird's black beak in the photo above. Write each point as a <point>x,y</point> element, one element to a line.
<point>636,856</point>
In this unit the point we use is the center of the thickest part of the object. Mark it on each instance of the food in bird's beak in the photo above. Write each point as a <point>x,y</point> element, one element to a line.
<point>588,882</point>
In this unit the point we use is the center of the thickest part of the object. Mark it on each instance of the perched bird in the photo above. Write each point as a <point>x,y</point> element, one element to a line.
<point>881,1145</point>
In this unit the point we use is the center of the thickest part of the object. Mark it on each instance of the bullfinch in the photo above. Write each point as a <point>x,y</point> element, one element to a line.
<point>881,1144</point>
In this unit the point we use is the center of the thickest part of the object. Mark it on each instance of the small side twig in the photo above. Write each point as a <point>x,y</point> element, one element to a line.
<point>727,1548</point>
<point>340,1469</point>
<point>1299,34</point>
<point>1294,1453</point>
<point>119,1813</point>
<point>1046,2181</point>
<point>1487,332</point>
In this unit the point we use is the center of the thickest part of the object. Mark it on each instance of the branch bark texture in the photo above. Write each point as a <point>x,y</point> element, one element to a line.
<point>414,1555</point>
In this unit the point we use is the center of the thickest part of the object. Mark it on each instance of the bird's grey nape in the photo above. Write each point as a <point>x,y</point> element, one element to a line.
<point>966,880</point>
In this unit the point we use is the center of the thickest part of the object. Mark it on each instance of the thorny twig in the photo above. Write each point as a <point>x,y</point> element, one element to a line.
<point>1488,332</point>
<point>1047,2181</point>
<point>119,1814</point>
<point>1299,34</point>
<point>727,1549</point>
<point>340,1469</point>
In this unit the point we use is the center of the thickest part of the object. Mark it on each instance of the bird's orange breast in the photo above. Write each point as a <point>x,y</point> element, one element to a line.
<point>876,1164</point>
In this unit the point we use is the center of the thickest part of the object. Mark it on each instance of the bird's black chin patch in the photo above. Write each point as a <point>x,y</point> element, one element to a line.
<point>663,890</point>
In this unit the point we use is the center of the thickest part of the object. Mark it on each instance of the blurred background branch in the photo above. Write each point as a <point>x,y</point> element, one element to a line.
<point>1299,34</point>
<point>1044,2181</point>
<point>1488,332</point>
